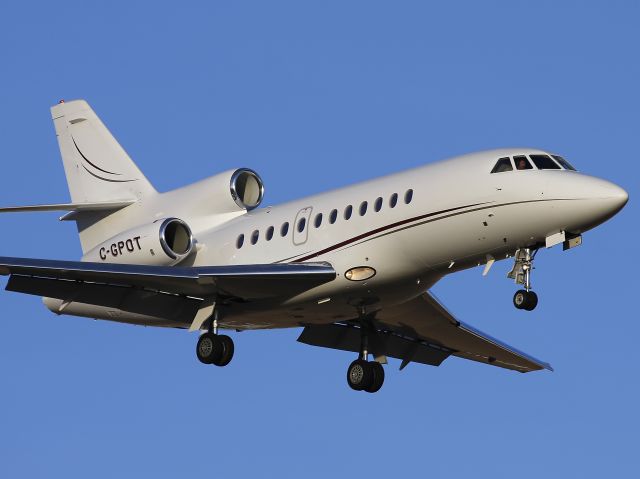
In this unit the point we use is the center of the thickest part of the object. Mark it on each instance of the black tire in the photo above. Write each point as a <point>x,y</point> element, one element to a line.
<point>209,348</point>
<point>532,301</point>
<point>359,375</point>
<point>520,299</point>
<point>227,351</point>
<point>378,377</point>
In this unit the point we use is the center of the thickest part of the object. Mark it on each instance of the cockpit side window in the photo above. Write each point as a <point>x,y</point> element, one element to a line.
<point>503,164</point>
<point>544,162</point>
<point>522,163</point>
<point>563,162</point>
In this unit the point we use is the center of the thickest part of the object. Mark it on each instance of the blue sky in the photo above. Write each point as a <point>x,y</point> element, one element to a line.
<point>315,96</point>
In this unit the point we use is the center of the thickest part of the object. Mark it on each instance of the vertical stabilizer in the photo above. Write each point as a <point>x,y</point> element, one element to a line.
<point>97,170</point>
<point>96,166</point>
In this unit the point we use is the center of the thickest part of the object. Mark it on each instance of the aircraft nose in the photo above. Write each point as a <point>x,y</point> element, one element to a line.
<point>613,197</point>
<point>602,201</point>
<point>597,200</point>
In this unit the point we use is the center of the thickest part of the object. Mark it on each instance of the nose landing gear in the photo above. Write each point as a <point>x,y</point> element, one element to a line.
<point>521,273</point>
<point>526,300</point>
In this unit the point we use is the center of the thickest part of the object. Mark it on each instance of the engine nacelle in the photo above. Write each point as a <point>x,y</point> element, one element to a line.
<point>227,192</point>
<point>164,242</point>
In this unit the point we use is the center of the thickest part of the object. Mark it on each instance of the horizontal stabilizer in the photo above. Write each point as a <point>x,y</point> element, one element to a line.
<point>98,206</point>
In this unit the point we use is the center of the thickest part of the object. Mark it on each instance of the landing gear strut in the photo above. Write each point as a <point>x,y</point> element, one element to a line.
<point>521,272</point>
<point>213,348</point>
<point>362,374</point>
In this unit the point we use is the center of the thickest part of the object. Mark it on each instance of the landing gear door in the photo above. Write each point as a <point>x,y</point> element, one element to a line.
<point>301,226</point>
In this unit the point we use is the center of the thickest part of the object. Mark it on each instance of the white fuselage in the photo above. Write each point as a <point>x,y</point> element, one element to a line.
<point>459,216</point>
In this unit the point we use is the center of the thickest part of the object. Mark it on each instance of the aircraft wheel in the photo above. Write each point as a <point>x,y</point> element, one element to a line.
<point>520,299</point>
<point>209,348</point>
<point>378,377</point>
<point>526,300</point>
<point>532,301</point>
<point>227,350</point>
<point>360,375</point>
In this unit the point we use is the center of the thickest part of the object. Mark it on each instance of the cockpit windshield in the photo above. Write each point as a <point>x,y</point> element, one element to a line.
<point>563,162</point>
<point>522,163</point>
<point>544,162</point>
<point>503,164</point>
<point>526,162</point>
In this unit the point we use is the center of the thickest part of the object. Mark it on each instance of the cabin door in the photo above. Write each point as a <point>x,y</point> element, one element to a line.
<point>301,226</point>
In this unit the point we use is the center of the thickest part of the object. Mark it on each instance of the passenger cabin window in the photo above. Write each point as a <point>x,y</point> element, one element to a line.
<point>269,234</point>
<point>301,224</point>
<point>240,241</point>
<point>333,216</point>
<point>563,162</point>
<point>378,205</point>
<point>522,163</point>
<point>284,229</point>
<point>408,196</point>
<point>254,237</point>
<point>393,201</point>
<point>363,208</point>
<point>544,162</point>
<point>503,164</point>
<point>347,212</point>
<point>318,221</point>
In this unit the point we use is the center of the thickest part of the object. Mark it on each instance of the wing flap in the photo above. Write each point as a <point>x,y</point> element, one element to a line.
<point>148,303</point>
<point>383,343</point>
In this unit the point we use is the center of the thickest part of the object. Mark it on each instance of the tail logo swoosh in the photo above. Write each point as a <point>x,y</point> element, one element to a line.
<point>98,171</point>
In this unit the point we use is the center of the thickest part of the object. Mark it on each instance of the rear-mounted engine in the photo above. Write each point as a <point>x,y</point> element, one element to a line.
<point>165,242</point>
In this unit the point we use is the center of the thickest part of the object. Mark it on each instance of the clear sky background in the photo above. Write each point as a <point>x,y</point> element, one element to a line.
<point>316,96</point>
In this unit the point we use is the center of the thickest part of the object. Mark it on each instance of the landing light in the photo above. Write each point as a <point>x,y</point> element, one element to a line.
<point>360,273</point>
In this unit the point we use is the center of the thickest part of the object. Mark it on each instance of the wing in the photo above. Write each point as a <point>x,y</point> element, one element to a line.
<point>423,331</point>
<point>111,284</point>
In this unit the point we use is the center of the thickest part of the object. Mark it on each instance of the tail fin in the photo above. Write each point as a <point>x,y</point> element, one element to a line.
<point>98,170</point>
<point>97,167</point>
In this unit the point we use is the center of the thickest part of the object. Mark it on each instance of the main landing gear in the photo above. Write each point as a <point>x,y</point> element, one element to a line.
<point>362,374</point>
<point>521,273</point>
<point>213,348</point>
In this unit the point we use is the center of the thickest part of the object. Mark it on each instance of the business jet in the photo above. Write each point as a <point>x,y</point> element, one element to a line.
<point>352,267</point>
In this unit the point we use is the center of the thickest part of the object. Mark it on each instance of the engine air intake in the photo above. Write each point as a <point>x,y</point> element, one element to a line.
<point>175,238</point>
<point>247,188</point>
